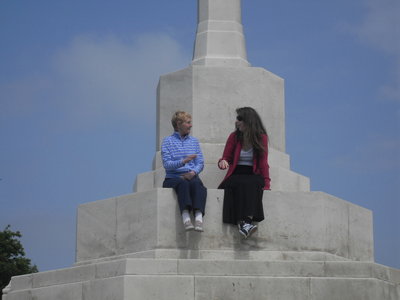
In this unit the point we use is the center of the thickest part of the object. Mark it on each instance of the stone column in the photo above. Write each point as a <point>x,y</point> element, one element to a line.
<point>220,40</point>
<point>218,81</point>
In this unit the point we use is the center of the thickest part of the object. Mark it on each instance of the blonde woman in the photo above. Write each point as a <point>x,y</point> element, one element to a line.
<point>183,161</point>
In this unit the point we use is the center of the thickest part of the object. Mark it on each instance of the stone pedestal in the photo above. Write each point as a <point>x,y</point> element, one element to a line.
<point>193,279</point>
<point>311,246</point>
<point>308,223</point>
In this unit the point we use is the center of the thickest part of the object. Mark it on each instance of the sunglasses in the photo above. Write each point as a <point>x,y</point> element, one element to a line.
<point>239,118</point>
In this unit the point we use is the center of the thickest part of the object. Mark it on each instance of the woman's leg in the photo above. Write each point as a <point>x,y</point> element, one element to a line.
<point>182,189</point>
<point>198,194</point>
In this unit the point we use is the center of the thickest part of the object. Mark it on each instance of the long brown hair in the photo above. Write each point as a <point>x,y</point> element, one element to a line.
<point>254,128</point>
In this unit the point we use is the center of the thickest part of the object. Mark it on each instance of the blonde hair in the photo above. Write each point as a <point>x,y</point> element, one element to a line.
<point>179,117</point>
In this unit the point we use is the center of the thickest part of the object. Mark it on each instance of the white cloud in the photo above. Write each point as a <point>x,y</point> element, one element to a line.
<point>377,154</point>
<point>95,78</point>
<point>20,97</point>
<point>381,25</point>
<point>107,75</point>
<point>380,28</point>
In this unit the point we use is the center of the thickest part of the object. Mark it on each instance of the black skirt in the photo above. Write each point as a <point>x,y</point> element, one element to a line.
<point>243,196</point>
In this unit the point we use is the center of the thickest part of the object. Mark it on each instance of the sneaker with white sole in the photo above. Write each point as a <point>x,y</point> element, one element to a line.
<point>246,229</point>
<point>188,225</point>
<point>198,226</point>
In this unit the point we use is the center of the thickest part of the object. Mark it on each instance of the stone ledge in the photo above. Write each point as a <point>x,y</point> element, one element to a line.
<point>201,278</point>
<point>204,267</point>
<point>295,222</point>
<point>222,255</point>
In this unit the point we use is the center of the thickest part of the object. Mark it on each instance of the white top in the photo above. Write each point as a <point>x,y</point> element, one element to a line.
<point>220,39</point>
<point>246,157</point>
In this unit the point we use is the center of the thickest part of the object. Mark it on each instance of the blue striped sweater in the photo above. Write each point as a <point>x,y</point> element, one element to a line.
<point>175,149</point>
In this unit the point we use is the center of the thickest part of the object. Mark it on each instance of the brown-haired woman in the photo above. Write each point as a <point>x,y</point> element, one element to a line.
<point>246,156</point>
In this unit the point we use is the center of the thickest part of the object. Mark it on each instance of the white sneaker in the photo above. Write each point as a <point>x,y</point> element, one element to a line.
<point>199,226</point>
<point>246,229</point>
<point>188,225</point>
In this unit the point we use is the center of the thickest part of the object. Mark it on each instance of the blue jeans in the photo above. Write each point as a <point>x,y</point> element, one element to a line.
<point>191,193</point>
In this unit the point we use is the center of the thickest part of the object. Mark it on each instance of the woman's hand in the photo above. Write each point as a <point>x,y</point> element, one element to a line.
<point>189,158</point>
<point>223,164</point>
<point>189,175</point>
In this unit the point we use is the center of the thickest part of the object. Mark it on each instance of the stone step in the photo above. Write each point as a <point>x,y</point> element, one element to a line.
<point>211,279</point>
<point>162,287</point>
<point>223,255</point>
<point>197,267</point>
<point>292,288</point>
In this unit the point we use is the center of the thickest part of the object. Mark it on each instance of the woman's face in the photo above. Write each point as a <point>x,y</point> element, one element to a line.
<point>184,127</point>
<point>240,124</point>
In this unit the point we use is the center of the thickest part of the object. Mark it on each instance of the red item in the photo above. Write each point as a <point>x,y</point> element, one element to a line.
<point>232,153</point>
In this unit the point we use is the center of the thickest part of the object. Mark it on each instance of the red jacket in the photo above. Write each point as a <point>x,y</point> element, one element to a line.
<point>232,153</point>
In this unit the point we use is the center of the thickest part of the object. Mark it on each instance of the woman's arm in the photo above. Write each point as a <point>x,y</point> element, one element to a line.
<point>166,155</point>
<point>199,160</point>
<point>228,153</point>
<point>264,166</point>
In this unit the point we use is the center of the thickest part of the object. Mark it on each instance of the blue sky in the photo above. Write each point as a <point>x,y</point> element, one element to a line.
<point>77,104</point>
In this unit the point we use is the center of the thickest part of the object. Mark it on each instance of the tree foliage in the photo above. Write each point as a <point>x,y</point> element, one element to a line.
<point>12,257</point>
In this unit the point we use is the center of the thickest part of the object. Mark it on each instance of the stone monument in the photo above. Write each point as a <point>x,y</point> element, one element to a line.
<point>311,246</point>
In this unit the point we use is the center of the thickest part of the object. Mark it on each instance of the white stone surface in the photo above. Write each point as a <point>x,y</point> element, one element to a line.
<point>22,282</point>
<point>159,287</point>
<point>219,38</point>
<point>144,182</point>
<point>18,295</point>
<point>111,288</point>
<point>268,255</point>
<point>68,275</point>
<point>99,228</point>
<point>211,95</point>
<point>183,279</point>
<point>307,221</point>
<point>358,227</point>
<point>235,288</point>
<point>354,289</point>
<point>59,292</point>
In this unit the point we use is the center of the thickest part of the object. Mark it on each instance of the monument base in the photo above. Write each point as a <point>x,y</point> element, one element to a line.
<point>310,246</point>
<point>210,279</point>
